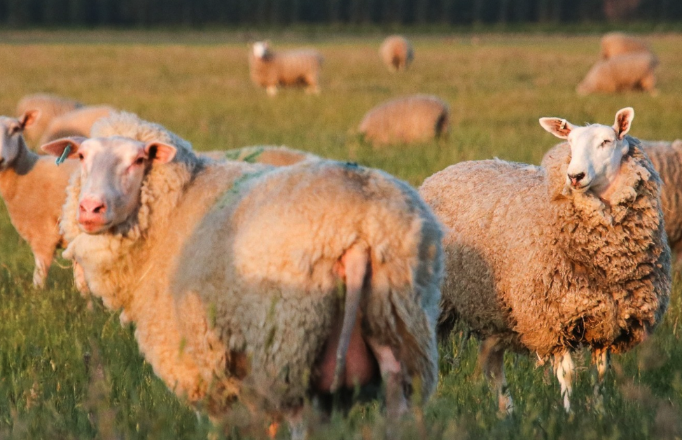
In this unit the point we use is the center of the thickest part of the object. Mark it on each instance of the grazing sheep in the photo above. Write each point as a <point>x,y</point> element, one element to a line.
<point>74,123</point>
<point>32,187</point>
<point>617,43</point>
<point>286,68</point>
<point>416,118</point>
<point>396,52</point>
<point>170,240</point>
<point>50,106</point>
<point>266,154</point>
<point>546,259</point>
<point>633,71</point>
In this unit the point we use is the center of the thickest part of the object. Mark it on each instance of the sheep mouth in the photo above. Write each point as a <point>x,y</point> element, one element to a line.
<point>93,226</point>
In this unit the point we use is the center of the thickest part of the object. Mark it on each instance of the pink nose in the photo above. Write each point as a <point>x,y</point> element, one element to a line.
<point>92,206</point>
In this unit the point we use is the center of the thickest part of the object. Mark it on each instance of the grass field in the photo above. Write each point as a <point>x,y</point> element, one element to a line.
<point>66,372</point>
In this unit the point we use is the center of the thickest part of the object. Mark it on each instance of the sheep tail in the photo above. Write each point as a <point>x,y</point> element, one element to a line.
<point>354,264</point>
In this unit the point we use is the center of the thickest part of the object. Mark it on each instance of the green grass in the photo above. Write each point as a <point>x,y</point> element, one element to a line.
<point>66,372</point>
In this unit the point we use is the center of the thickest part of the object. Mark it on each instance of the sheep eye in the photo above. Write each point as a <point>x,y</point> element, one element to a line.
<point>139,161</point>
<point>80,156</point>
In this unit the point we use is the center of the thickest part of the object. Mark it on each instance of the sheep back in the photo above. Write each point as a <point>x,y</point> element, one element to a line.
<point>396,52</point>
<point>50,106</point>
<point>633,71</point>
<point>74,123</point>
<point>618,43</point>
<point>286,68</point>
<point>271,155</point>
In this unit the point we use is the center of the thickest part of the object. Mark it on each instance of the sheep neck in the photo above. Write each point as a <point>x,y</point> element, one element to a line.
<point>17,171</point>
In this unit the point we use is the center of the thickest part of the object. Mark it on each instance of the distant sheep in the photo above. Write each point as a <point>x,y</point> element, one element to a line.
<point>74,123</point>
<point>546,259</point>
<point>416,118</point>
<point>614,44</point>
<point>396,53</point>
<point>285,68</point>
<point>49,106</point>
<point>633,71</point>
<point>266,154</point>
<point>220,319</point>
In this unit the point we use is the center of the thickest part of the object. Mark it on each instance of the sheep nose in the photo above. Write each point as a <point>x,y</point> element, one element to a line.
<point>576,178</point>
<point>92,206</point>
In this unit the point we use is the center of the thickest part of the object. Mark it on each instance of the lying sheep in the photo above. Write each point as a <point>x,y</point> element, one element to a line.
<point>546,259</point>
<point>416,118</point>
<point>49,106</point>
<point>74,123</point>
<point>633,71</point>
<point>32,187</point>
<point>286,68</point>
<point>170,240</point>
<point>266,154</point>
<point>396,52</point>
<point>614,44</point>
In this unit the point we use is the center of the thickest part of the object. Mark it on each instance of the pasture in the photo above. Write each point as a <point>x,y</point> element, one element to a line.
<point>66,372</point>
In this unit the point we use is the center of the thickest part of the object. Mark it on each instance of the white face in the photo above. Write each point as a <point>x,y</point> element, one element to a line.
<point>10,132</point>
<point>260,48</point>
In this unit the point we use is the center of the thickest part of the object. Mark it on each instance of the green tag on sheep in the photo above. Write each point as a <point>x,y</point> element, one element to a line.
<point>64,155</point>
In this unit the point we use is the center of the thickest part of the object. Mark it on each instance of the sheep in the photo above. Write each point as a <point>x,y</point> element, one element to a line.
<point>50,106</point>
<point>286,68</point>
<point>74,123</point>
<point>220,319</point>
<point>546,259</point>
<point>32,187</point>
<point>266,154</point>
<point>633,71</point>
<point>396,52</point>
<point>415,118</point>
<point>617,43</point>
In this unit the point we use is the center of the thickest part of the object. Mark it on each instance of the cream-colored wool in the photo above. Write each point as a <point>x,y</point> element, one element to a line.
<point>286,68</point>
<point>228,274</point>
<point>396,52</point>
<point>266,154</point>
<point>618,43</point>
<point>633,71</point>
<point>50,106</point>
<point>74,123</point>
<point>547,269</point>
<point>416,118</point>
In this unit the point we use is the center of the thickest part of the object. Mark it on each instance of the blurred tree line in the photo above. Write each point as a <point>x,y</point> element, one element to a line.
<point>284,12</point>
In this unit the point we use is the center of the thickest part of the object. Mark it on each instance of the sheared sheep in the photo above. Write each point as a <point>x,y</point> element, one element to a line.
<point>33,188</point>
<point>396,52</point>
<point>416,118</point>
<point>221,319</point>
<point>634,71</point>
<point>547,259</point>
<point>75,123</point>
<point>50,106</point>
<point>266,154</point>
<point>271,69</point>
<point>617,43</point>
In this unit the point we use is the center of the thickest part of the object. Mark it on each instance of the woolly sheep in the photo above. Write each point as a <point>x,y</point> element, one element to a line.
<point>220,319</point>
<point>416,118</point>
<point>50,106</point>
<point>546,259</point>
<point>32,187</point>
<point>266,154</point>
<point>74,123</point>
<point>617,43</point>
<point>285,68</point>
<point>633,71</point>
<point>396,52</point>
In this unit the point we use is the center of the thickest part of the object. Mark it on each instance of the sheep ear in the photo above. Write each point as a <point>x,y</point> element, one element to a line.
<point>159,152</point>
<point>28,118</point>
<point>560,128</point>
<point>623,122</point>
<point>57,148</point>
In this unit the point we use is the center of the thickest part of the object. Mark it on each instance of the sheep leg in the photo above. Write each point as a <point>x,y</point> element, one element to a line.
<point>271,90</point>
<point>40,272</point>
<point>648,84</point>
<point>354,267</point>
<point>600,357</point>
<point>81,284</point>
<point>297,427</point>
<point>491,360</point>
<point>392,375</point>
<point>565,371</point>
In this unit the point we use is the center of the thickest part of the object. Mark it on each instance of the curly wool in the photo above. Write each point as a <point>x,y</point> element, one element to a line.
<point>572,270</point>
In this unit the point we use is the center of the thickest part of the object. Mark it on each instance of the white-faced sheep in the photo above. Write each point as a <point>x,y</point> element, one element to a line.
<point>75,123</point>
<point>266,154</point>
<point>547,259</point>
<point>271,69</point>
<point>50,106</point>
<point>171,241</point>
<point>416,118</point>
<point>396,52</point>
<point>33,188</point>
<point>614,44</point>
<point>633,71</point>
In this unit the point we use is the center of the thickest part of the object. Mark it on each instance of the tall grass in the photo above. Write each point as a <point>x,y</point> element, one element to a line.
<point>66,372</point>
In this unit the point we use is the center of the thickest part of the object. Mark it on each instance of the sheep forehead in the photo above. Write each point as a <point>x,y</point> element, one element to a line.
<point>259,48</point>
<point>112,151</point>
<point>591,135</point>
<point>7,122</point>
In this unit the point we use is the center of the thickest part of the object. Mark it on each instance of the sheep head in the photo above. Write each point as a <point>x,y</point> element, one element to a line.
<point>11,136</point>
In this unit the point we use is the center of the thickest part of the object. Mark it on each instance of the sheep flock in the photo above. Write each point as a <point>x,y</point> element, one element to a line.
<point>290,286</point>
